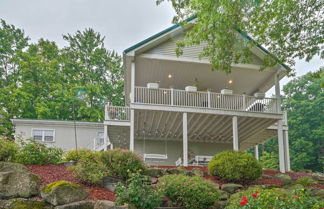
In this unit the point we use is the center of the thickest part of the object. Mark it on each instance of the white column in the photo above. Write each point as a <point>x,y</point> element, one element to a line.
<point>277,91</point>
<point>133,82</point>
<point>185,138</point>
<point>172,96</point>
<point>209,98</point>
<point>105,137</point>
<point>281,148</point>
<point>132,130</point>
<point>235,134</point>
<point>287,155</point>
<point>256,151</point>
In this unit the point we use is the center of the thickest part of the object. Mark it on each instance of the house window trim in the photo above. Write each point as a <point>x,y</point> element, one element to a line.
<point>43,136</point>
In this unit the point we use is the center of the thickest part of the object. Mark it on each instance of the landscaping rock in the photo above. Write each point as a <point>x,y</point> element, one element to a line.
<point>104,204</point>
<point>285,178</point>
<point>223,195</point>
<point>110,183</point>
<point>7,166</point>
<point>267,176</point>
<point>175,171</point>
<point>68,164</point>
<point>231,188</point>
<point>198,172</point>
<point>84,204</point>
<point>219,205</point>
<point>317,192</point>
<point>121,207</point>
<point>152,180</point>
<point>318,176</point>
<point>63,192</point>
<point>294,186</point>
<point>188,173</point>
<point>155,172</point>
<point>17,181</point>
<point>20,203</point>
<point>215,184</point>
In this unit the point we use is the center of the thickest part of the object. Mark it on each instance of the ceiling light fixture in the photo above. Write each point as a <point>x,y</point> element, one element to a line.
<point>230,81</point>
<point>170,76</point>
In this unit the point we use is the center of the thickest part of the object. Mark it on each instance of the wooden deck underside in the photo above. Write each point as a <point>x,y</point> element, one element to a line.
<point>163,125</point>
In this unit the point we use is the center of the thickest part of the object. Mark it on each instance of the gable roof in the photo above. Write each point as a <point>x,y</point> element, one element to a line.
<point>167,30</point>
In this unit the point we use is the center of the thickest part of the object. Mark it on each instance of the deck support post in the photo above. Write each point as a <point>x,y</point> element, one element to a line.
<point>235,134</point>
<point>277,91</point>
<point>185,138</point>
<point>281,146</point>
<point>132,95</point>
<point>256,151</point>
<point>172,96</point>
<point>282,143</point>
<point>132,130</point>
<point>287,155</point>
<point>209,99</point>
<point>105,137</point>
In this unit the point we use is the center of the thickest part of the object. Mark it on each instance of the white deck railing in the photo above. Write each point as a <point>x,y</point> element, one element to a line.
<point>175,97</point>
<point>117,113</point>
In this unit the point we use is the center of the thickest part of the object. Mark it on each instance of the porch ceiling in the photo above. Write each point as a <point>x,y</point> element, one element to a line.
<point>163,125</point>
<point>185,73</point>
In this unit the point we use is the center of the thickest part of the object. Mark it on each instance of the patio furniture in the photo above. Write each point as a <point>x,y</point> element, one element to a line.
<point>191,88</point>
<point>153,85</point>
<point>202,159</point>
<point>227,91</point>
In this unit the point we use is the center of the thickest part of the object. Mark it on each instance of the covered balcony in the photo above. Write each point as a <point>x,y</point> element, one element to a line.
<point>204,99</point>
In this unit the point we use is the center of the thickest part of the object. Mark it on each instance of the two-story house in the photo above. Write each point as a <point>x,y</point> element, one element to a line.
<point>178,111</point>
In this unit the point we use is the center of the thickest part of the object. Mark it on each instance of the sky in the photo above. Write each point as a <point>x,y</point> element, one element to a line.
<point>123,22</point>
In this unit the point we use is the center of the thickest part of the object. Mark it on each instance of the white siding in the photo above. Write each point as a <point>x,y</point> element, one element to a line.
<point>64,133</point>
<point>168,48</point>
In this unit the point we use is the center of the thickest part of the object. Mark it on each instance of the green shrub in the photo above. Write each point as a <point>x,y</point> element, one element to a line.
<point>256,198</point>
<point>32,152</point>
<point>138,193</point>
<point>90,171</point>
<point>188,192</point>
<point>93,166</point>
<point>305,181</point>
<point>235,166</point>
<point>78,155</point>
<point>8,149</point>
<point>122,163</point>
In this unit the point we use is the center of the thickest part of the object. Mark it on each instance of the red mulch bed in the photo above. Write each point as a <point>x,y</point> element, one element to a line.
<point>52,173</point>
<point>269,181</point>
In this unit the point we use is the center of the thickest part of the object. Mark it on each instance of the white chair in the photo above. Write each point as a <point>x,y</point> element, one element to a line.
<point>202,159</point>
<point>155,156</point>
<point>178,162</point>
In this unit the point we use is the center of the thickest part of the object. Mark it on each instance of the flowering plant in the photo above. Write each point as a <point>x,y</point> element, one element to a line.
<point>32,152</point>
<point>256,198</point>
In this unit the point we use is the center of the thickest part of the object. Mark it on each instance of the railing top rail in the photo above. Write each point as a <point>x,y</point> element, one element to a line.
<point>203,92</point>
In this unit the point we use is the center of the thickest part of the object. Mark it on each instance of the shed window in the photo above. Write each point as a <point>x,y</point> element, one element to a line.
<point>43,135</point>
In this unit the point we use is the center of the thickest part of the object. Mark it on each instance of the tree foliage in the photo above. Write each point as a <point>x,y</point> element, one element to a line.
<point>289,29</point>
<point>304,101</point>
<point>40,80</point>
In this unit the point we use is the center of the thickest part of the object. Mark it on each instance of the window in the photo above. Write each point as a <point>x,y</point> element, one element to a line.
<point>44,135</point>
